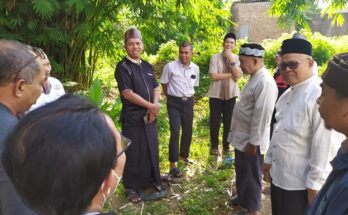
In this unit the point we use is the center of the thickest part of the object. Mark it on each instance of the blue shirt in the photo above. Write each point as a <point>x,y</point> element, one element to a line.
<point>332,198</point>
<point>10,202</point>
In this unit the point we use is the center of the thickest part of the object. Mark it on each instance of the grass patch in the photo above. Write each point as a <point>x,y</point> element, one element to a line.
<point>205,185</point>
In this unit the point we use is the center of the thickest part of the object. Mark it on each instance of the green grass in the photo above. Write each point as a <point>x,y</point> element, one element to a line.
<point>204,189</point>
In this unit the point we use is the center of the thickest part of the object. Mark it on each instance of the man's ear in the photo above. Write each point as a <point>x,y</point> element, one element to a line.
<point>255,61</point>
<point>19,88</point>
<point>345,104</point>
<point>311,63</point>
<point>107,184</point>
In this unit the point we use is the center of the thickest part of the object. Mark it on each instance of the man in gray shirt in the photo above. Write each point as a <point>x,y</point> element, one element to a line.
<point>22,75</point>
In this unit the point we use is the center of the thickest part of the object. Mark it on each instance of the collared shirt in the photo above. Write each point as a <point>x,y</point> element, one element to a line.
<point>222,89</point>
<point>57,90</point>
<point>181,80</point>
<point>301,147</point>
<point>252,114</point>
<point>332,198</point>
<point>140,78</point>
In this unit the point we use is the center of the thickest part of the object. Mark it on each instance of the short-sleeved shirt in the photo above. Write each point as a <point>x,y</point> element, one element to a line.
<point>222,89</point>
<point>140,78</point>
<point>181,80</point>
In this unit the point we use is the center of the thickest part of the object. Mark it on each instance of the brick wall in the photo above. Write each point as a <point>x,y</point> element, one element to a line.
<point>254,23</point>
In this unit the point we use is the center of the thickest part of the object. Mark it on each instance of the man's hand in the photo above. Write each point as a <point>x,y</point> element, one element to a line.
<point>152,117</point>
<point>228,54</point>
<point>250,150</point>
<point>266,169</point>
<point>154,109</point>
<point>311,195</point>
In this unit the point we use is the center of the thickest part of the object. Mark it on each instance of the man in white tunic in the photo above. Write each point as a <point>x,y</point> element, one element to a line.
<point>250,126</point>
<point>297,162</point>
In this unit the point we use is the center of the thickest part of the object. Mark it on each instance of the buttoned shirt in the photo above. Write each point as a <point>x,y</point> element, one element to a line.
<point>301,147</point>
<point>252,114</point>
<point>222,89</point>
<point>181,80</point>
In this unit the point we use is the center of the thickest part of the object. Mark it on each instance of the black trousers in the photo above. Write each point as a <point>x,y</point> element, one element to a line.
<point>180,115</point>
<point>288,202</point>
<point>249,180</point>
<point>220,107</point>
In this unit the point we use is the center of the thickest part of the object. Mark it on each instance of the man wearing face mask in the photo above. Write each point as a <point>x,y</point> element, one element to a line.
<point>71,161</point>
<point>297,161</point>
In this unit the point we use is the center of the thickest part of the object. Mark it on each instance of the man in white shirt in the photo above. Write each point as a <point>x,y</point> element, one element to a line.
<point>250,126</point>
<point>297,162</point>
<point>52,88</point>
<point>178,81</point>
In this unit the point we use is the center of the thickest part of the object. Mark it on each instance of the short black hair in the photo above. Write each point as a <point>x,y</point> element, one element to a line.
<point>186,44</point>
<point>59,155</point>
<point>230,35</point>
<point>17,62</point>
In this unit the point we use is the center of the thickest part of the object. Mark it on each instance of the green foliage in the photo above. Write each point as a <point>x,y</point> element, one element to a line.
<point>323,48</point>
<point>77,33</point>
<point>167,52</point>
<point>96,96</point>
<point>299,12</point>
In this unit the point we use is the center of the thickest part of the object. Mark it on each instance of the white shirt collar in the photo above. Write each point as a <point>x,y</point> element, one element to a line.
<point>134,61</point>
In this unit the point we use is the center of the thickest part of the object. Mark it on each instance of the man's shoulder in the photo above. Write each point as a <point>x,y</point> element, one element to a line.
<point>173,63</point>
<point>194,66</point>
<point>217,55</point>
<point>8,121</point>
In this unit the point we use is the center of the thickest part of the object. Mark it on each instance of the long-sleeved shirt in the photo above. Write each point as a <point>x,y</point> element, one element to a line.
<point>10,201</point>
<point>301,147</point>
<point>252,114</point>
<point>332,198</point>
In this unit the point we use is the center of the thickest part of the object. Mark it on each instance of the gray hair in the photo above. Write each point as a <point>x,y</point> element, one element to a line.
<point>17,61</point>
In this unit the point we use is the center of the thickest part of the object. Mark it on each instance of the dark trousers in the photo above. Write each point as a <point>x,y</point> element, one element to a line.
<point>249,180</point>
<point>288,202</point>
<point>220,107</point>
<point>180,114</point>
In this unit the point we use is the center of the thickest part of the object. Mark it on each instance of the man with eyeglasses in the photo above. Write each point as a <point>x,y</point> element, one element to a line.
<point>52,88</point>
<point>297,162</point>
<point>21,79</point>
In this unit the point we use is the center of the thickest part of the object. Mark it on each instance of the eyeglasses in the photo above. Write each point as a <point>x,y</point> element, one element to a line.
<point>39,53</point>
<point>125,143</point>
<point>290,64</point>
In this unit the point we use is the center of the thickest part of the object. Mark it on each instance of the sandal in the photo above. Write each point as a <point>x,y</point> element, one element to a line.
<point>153,195</point>
<point>133,196</point>
<point>175,173</point>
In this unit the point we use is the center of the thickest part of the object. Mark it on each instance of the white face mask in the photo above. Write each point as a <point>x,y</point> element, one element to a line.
<point>118,180</point>
<point>110,193</point>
